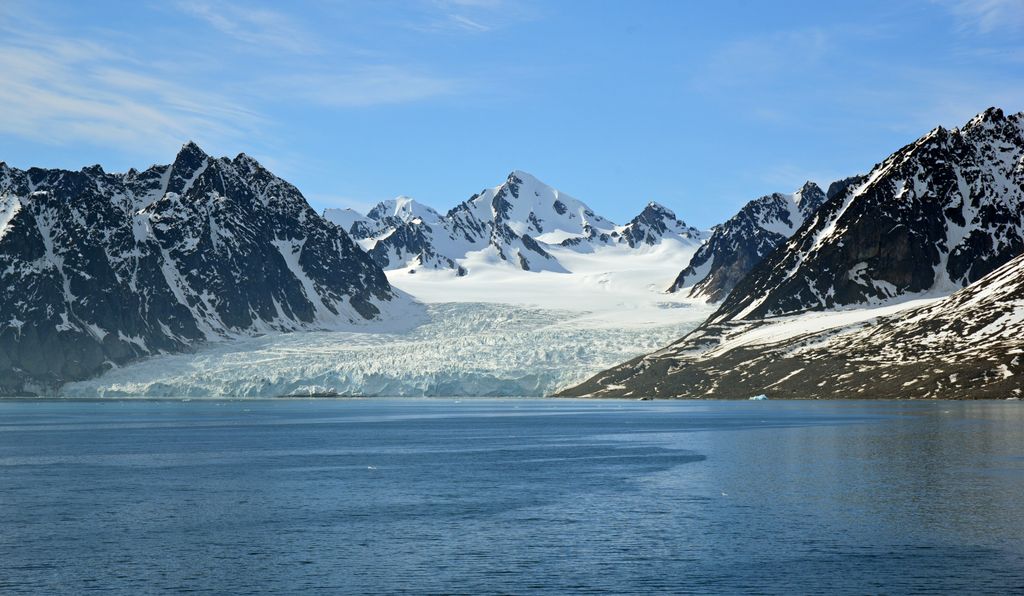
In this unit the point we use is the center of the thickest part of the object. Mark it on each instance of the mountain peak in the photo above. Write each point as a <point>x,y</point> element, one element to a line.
<point>244,158</point>
<point>522,177</point>
<point>191,148</point>
<point>655,208</point>
<point>992,114</point>
<point>188,164</point>
<point>403,208</point>
<point>190,157</point>
<point>809,197</point>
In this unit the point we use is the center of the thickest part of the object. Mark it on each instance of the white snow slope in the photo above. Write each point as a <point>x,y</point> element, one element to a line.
<point>520,224</point>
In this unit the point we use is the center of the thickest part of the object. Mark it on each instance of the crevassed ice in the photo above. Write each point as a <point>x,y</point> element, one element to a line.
<point>465,349</point>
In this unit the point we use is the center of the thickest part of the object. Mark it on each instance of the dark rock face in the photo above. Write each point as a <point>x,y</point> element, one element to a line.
<point>964,346</point>
<point>840,187</point>
<point>409,242</point>
<point>935,216</point>
<point>738,245</point>
<point>97,269</point>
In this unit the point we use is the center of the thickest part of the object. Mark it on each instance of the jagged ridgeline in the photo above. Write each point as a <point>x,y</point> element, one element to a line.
<point>521,222</point>
<point>97,269</point>
<point>937,215</point>
<point>943,213</point>
<point>738,245</point>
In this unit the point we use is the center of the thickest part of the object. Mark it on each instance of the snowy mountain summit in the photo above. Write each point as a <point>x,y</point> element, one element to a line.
<point>402,209</point>
<point>100,268</point>
<point>522,223</point>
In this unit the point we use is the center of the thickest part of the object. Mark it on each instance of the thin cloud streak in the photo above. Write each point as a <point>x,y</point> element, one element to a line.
<point>258,28</point>
<point>987,16</point>
<point>764,58</point>
<point>365,86</point>
<point>468,16</point>
<point>469,24</point>
<point>70,92</point>
<point>62,90</point>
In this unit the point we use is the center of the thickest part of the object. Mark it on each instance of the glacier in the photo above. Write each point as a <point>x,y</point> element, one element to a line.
<point>463,349</point>
<point>502,332</point>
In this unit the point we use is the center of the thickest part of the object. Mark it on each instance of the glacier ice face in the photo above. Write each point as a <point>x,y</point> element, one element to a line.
<point>465,349</point>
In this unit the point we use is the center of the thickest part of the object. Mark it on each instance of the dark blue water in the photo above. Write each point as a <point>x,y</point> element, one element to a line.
<point>489,496</point>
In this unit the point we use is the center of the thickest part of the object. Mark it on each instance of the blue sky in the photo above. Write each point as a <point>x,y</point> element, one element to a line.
<point>698,105</point>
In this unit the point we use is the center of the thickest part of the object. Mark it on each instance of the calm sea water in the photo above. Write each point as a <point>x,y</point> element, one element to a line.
<point>511,496</point>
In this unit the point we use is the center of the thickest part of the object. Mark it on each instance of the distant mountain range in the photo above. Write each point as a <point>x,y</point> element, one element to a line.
<point>943,213</point>
<point>518,222</point>
<point>903,282</point>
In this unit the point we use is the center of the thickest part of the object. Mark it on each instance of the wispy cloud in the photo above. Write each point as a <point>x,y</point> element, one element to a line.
<point>468,23</point>
<point>986,16</point>
<point>364,86</point>
<point>99,90</point>
<point>814,78</point>
<point>65,90</point>
<point>747,60</point>
<point>258,28</point>
<point>467,16</point>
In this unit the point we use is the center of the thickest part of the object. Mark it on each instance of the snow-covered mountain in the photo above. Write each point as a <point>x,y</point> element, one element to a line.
<point>99,268</point>
<point>965,346</point>
<point>382,218</point>
<point>937,215</point>
<point>349,220</point>
<point>518,223</point>
<point>942,213</point>
<point>738,245</point>
<point>402,209</point>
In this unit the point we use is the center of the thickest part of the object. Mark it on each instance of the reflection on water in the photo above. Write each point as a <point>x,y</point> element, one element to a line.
<point>506,496</point>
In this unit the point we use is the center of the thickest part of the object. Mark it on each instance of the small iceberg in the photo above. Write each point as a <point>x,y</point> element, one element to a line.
<point>761,397</point>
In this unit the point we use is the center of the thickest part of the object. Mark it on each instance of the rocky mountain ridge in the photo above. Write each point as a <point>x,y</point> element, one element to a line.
<point>99,269</point>
<point>937,215</point>
<point>738,245</point>
<point>519,223</point>
<point>941,214</point>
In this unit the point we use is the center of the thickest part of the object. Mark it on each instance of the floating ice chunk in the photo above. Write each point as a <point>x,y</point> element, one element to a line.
<point>761,397</point>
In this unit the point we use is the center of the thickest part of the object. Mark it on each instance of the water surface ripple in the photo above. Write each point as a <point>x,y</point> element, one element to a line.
<point>510,496</point>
